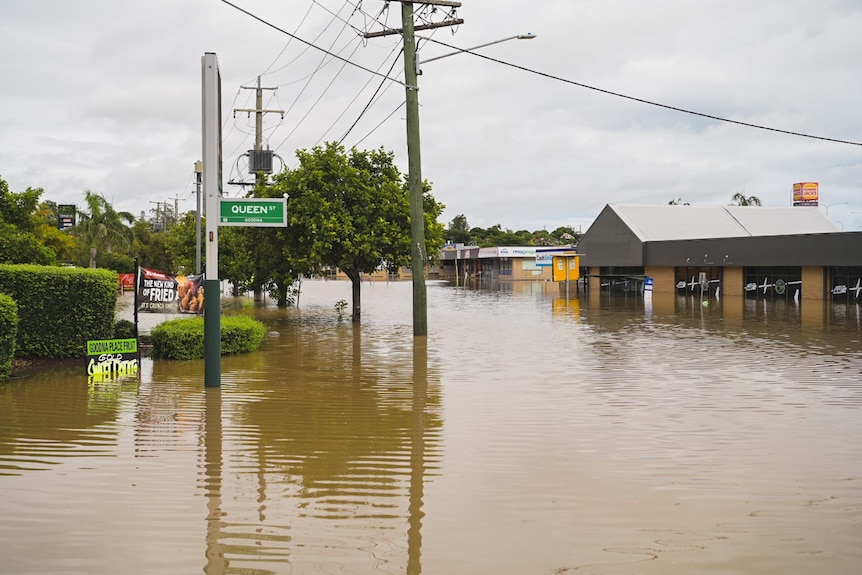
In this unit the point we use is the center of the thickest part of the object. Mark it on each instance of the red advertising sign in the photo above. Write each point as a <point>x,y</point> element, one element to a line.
<point>806,193</point>
<point>160,292</point>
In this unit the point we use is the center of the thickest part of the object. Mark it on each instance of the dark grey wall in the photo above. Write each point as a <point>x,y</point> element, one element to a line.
<point>837,249</point>
<point>610,242</point>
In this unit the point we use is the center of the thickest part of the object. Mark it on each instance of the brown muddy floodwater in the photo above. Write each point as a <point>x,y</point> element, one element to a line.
<point>527,435</point>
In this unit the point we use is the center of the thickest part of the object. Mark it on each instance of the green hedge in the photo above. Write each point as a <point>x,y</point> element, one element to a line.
<point>8,331</point>
<point>184,338</point>
<point>59,309</point>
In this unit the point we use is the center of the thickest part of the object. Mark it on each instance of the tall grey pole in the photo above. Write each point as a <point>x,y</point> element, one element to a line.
<point>212,187</point>
<point>414,176</point>
<point>199,168</point>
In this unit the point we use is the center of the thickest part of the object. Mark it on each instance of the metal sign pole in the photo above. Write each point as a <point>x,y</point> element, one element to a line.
<point>212,186</point>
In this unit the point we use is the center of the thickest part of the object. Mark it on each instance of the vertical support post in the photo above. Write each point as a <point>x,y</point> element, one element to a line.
<point>414,176</point>
<point>135,303</point>
<point>212,183</point>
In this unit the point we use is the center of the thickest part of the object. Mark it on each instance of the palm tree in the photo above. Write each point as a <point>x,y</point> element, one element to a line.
<point>100,226</point>
<point>740,199</point>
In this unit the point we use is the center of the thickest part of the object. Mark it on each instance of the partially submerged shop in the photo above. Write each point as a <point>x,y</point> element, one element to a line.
<point>459,262</point>
<point>791,253</point>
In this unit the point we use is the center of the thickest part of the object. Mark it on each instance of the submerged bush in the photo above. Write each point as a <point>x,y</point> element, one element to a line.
<point>184,338</point>
<point>8,333</point>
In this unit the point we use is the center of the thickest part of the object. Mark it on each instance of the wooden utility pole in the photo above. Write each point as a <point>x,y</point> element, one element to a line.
<point>414,156</point>
<point>258,115</point>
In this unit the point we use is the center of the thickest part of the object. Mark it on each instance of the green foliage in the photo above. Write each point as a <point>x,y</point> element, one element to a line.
<point>18,208</point>
<point>241,334</point>
<point>19,241</point>
<point>120,263</point>
<point>184,338</point>
<point>8,333</point>
<point>100,227</point>
<point>178,339</point>
<point>458,231</point>
<point>347,210</point>
<point>124,329</point>
<point>180,243</point>
<point>340,306</point>
<point>740,199</point>
<point>237,258</point>
<point>59,309</point>
<point>497,236</point>
<point>149,247</point>
<point>20,247</point>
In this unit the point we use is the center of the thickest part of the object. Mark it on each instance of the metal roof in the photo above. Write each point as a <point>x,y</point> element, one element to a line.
<point>669,222</point>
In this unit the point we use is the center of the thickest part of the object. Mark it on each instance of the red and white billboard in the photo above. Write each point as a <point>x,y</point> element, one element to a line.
<point>806,194</point>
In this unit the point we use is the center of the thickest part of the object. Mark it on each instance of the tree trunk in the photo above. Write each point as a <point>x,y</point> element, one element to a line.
<point>93,252</point>
<point>282,288</point>
<point>356,284</point>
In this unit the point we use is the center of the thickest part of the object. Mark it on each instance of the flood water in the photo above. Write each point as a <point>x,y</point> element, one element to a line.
<point>528,434</point>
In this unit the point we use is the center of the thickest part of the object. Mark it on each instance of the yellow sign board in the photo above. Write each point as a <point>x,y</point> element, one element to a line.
<point>567,267</point>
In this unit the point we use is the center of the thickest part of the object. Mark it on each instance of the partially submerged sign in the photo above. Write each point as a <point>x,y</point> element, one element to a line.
<point>112,359</point>
<point>253,212</point>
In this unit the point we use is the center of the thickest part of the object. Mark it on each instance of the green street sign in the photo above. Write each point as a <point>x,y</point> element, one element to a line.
<point>253,212</point>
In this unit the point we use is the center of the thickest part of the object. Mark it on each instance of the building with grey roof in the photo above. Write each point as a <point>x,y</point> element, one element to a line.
<point>754,251</point>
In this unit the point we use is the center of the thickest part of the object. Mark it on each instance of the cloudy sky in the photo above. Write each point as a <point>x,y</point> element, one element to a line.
<point>106,96</point>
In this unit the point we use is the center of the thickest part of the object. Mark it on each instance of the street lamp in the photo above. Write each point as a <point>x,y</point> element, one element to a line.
<point>414,172</point>
<point>827,206</point>
<point>527,36</point>
<point>414,161</point>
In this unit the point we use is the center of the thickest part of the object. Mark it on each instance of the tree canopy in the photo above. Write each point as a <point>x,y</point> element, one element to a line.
<point>350,210</point>
<point>101,227</point>
<point>740,199</point>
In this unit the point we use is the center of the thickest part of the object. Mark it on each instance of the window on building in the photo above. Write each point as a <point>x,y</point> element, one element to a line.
<point>846,284</point>
<point>697,280</point>
<point>773,282</point>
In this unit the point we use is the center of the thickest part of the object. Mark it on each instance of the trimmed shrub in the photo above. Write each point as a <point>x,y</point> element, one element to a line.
<point>124,329</point>
<point>59,309</point>
<point>8,331</point>
<point>184,338</point>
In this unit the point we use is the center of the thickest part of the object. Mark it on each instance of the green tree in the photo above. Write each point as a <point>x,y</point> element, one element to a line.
<point>236,259</point>
<point>351,210</point>
<point>180,243</point>
<point>19,226</point>
<point>740,199</point>
<point>542,238</point>
<point>100,227</point>
<point>566,235</point>
<point>150,247</point>
<point>458,231</point>
<point>50,235</point>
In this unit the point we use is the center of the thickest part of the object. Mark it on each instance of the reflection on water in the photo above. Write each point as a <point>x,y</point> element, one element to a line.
<point>530,432</point>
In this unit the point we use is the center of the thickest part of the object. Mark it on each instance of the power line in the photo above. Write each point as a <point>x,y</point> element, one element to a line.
<point>371,101</point>
<point>649,102</point>
<point>286,33</point>
<point>323,62</point>
<point>374,129</point>
<point>559,79</point>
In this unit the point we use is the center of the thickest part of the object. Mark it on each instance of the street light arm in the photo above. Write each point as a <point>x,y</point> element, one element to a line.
<point>527,36</point>
<point>827,206</point>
